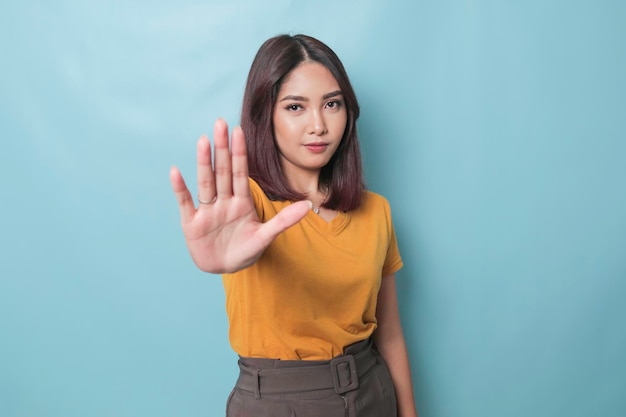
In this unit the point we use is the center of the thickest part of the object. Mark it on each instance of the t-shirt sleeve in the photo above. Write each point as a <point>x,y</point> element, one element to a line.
<point>393,261</point>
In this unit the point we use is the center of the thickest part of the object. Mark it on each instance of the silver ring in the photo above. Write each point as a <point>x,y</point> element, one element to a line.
<point>206,202</point>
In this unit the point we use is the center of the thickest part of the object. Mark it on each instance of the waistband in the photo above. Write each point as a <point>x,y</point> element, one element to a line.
<point>269,376</point>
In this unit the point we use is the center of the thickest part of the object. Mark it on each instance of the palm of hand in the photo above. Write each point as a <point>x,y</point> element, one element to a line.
<point>227,231</point>
<point>224,233</point>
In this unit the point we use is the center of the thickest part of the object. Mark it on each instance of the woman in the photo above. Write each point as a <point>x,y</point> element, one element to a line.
<point>308,256</point>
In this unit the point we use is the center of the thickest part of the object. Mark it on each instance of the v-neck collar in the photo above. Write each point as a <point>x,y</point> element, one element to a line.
<point>331,228</point>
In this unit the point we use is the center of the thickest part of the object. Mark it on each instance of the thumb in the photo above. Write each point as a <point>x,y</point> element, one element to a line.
<point>286,218</point>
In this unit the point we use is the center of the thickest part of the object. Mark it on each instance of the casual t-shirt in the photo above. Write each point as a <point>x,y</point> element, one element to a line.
<point>314,289</point>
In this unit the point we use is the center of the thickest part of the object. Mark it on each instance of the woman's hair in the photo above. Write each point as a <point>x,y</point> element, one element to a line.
<point>277,57</point>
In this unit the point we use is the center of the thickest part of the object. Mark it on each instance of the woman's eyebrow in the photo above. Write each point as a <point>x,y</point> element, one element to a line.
<point>294,98</point>
<point>301,98</point>
<point>332,94</point>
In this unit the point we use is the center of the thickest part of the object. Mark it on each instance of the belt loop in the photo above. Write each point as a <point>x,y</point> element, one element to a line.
<point>257,385</point>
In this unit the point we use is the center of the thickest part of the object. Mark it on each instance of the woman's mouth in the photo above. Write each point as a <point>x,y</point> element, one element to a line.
<point>316,147</point>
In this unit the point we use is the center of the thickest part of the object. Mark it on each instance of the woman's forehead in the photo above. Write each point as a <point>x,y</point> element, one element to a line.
<point>309,78</point>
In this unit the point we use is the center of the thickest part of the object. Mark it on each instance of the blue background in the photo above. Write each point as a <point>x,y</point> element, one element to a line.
<point>495,129</point>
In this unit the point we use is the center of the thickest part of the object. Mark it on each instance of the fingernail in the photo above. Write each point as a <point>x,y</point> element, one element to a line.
<point>310,204</point>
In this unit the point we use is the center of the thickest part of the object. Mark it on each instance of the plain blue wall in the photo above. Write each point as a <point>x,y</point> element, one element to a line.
<point>495,128</point>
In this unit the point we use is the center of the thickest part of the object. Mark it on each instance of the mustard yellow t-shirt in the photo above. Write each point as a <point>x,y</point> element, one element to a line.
<point>314,290</point>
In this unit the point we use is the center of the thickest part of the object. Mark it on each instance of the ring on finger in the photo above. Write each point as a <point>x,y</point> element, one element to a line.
<point>206,202</point>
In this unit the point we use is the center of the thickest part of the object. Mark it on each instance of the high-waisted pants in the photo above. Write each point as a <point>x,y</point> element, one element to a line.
<point>356,384</point>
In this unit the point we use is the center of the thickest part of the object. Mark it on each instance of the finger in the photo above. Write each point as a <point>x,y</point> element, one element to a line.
<point>206,179</point>
<point>183,196</point>
<point>241,186</point>
<point>223,173</point>
<point>286,218</point>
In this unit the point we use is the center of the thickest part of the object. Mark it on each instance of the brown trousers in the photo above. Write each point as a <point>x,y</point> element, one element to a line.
<point>356,384</point>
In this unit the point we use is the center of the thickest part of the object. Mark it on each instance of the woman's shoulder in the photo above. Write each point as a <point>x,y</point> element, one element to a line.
<point>372,197</point>
<point>375,212</point>
<point>374,203</point>
<point>266,206</point>
<point>261,202</point>
<point>254,186</point>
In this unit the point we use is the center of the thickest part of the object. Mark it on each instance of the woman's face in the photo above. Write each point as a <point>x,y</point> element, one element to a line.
<point>309,118</point>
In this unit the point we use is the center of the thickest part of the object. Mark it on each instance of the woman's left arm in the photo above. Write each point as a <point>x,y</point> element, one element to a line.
<point>390,341</point>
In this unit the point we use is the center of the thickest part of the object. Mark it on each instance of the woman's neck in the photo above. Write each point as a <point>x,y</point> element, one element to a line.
<point>303,181</point>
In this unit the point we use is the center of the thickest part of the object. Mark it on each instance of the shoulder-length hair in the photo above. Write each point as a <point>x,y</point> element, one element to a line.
<point>277,57</point>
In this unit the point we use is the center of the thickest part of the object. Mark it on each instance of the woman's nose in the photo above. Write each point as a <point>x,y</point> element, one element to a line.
<point>317,124</point>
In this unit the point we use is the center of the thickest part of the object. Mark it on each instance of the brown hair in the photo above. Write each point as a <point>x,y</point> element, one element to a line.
<point>276,58</point>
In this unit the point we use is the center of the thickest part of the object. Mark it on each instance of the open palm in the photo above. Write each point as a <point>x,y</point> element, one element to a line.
<point>224,234</point>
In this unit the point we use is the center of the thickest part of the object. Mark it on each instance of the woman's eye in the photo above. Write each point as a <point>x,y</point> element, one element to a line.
<point>333,104</point>
<point>294,107</point>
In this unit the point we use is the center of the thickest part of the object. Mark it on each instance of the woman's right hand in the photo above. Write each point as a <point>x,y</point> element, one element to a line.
<point>224,234</point>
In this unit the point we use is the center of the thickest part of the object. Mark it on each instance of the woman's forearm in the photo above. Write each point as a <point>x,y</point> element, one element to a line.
<point>395,354</point>
<point>390,341</point>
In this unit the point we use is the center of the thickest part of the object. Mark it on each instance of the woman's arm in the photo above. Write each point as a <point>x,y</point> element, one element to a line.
<point>390,341</point>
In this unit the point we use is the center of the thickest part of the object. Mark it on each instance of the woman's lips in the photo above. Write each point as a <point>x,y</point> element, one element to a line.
<point>317,147</point>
